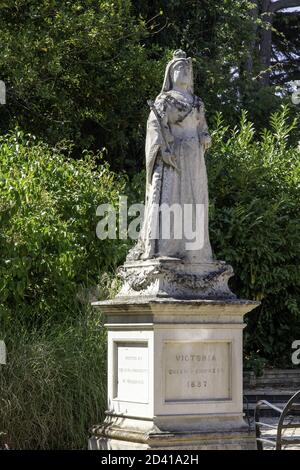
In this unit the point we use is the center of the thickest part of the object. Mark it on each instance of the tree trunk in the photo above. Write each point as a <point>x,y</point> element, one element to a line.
<point>268,10</point>
<point>250,60</point>
<point>280,4</point>
<point>266,42</point>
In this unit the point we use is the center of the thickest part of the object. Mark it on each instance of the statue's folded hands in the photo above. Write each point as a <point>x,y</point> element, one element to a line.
<point>169,158</point>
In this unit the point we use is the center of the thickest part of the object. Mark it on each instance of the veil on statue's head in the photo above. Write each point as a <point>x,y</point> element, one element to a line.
<point>178,56</point>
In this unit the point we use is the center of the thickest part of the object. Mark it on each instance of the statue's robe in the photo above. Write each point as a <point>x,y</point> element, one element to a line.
<point>185,131</point>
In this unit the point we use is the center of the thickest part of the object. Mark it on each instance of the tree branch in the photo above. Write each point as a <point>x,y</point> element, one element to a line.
<point>280,4</point>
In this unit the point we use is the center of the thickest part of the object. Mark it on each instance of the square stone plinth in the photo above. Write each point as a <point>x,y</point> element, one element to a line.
<point>174,375</point>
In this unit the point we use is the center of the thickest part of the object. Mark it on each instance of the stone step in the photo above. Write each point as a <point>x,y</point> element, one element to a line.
<point>271,395</point>
<point>278,397</point>
<point>283,378</point>
<point>264,410</point>
<point>276,371</point>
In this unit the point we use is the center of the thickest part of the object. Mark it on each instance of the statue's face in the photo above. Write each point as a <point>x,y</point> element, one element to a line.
<point>182,74</point>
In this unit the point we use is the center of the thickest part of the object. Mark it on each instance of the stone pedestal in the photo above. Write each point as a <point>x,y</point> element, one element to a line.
<point>172,278</point>
<point>174,372</point>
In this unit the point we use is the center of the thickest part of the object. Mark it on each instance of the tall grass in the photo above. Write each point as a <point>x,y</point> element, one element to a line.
<point>53,387</point>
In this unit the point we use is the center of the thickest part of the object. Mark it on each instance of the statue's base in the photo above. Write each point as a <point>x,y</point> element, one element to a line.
<point>171,277</point>
<point>119,434</point>
<point>174,375</point>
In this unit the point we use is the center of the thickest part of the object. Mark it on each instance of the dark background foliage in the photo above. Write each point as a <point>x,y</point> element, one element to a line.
<point>83,70</point>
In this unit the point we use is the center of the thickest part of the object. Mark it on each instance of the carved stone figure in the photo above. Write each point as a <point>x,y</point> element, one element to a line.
<point>171,263</point>
<point>177,137</point>
<point>175,328</point>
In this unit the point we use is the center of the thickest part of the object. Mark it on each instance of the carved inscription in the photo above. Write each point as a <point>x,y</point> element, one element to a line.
<point>197,371</point>
<point>132,372</point>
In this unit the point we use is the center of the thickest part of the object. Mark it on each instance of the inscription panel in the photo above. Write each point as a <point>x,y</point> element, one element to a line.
<point>131,372</point>
<point>197,371</point>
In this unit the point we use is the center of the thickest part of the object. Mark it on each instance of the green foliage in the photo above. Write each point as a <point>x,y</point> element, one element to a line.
<point>53,387</point>
<point>49,246</point>
<point>83,70</point>
<point>222,37</point>
<point>255,226</point>
<point>78,70</point>
<point>255,363</point>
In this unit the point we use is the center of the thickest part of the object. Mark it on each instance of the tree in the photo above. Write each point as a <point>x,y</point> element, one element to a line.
<point>243,50</point>
<point>83,70</point>
<point>78,70</point>
<point>286,47</point>
<point>269,10</point>
<point>211,33</point>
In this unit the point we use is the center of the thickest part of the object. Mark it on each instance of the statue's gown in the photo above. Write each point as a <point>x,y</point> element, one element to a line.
<point>184,128</point>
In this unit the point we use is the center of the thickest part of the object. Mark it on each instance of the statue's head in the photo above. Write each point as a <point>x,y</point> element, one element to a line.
<point>179,71</point>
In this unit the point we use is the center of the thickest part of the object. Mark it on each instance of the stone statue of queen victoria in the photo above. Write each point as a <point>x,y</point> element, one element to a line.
<point>176,141</point>
<point>177,137</point>
<point>174,305</point>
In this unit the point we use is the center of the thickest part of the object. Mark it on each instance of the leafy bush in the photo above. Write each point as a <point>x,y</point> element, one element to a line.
<point>255,226</point>
<point>48,219</point>
<point>53,387</point>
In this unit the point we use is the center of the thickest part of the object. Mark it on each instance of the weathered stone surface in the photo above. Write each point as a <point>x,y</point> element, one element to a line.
<point>176,140</point>
<point>174,374</point>
<point>167,277</point>
<point>115,438</point>
<point>169,263</point>
<point>136,310</point>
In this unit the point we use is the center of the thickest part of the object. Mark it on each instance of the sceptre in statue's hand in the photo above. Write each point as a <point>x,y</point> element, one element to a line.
<point>176,140</point>
<point>167,156</point>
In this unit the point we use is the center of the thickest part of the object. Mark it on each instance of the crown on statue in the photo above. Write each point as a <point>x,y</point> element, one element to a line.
<point>179,54</point>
